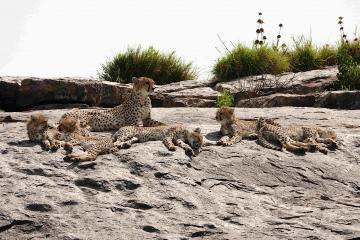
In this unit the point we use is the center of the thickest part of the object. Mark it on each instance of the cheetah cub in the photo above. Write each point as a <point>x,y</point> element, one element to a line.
<point>92,149</point>
<point>274,132</point>
<point>73,134</point>
<point>170,135</point>
<point>234,129</point>
<point>136,108</point>
<point>315,135</point>
<point>39,130</point>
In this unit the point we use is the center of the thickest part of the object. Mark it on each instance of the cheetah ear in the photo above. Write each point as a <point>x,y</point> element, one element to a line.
<point>232,110</point>
<point>135,80</point>
<point>197,130</point>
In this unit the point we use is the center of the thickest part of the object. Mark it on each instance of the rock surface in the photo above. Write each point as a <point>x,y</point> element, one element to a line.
<point>334,99</point>
<point>146,192</point>
<point>294,83</point>
<point>23,93</point>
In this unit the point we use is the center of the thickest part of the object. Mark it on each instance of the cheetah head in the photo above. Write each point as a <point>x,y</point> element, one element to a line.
<point>195,139</point>
<point>69,125</point>
<point>143,85</point>
<point>37,122</point>
<point>225,115</point>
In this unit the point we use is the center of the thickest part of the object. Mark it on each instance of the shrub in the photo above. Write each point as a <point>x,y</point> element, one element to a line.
<point>244,61</point>
<point>327,55</point>
<point>136,62</point>
<point>352,48</point>
<point>226,99</point>
<point>304,56</point>
<point>349,70</point>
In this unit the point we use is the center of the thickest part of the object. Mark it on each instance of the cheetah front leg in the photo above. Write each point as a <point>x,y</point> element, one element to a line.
<point>46,144</point>
<point>228,141</point>
<point>188,150</point>
<point>293,146</point>
<point>314,145</point>
<point>125,144</point>
<point>148,122</point>
<point>68,146</point>
<point>83,156</point>
<point>330,143</point>
<point>169,144</point>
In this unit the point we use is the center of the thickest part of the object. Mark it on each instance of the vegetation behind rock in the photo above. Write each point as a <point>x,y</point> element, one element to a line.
<point>164,68</point>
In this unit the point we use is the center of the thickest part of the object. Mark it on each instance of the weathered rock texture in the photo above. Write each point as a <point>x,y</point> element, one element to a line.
<point>146,192</point>
<point>307,89</point>
<point>27,92</point>
<point>294,83</point>
<point>23,93</point>
<point>334,99</point>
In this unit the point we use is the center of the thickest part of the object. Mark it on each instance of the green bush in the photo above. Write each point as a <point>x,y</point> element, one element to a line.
<point>164,68</point>
<point>244,61</point>
<point>304,56</point>
<point>349,70</point>
<point>327,55</point>
<point>352,49</point>
<point>226,99</point>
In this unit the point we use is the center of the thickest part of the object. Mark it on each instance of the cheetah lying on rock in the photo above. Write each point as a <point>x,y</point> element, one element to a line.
<point>135,108</point>
<point>234,129</point>
<point>170,135</point>
<point>298,139</point>
<point>68,134</point>
<point>39,130</point>
<point>92,149</point>
<point>314,135</point>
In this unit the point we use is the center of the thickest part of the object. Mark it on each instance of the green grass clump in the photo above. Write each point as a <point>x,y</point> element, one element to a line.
<point>226,99</point>
<point>304,56</point>
<point>244,61</point>
<point>349,70</point>
<point>352,48</point>
<point>164,68</point>
<point>327,55</point>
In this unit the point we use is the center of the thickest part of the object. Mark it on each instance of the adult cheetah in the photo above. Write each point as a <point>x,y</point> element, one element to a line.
<point>136,108</point>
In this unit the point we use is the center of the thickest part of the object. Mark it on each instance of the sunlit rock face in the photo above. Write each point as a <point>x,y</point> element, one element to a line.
<point>146,192</point>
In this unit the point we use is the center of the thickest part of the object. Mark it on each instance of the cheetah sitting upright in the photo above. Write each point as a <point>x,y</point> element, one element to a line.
<point>268,131</point>
<point>135,108</point>
<point>234,129</point>
<point>170,135</point>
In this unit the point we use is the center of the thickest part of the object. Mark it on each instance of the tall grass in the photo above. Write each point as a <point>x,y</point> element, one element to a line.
<point>305,56</point>
<point>348,77</point>
<point>245,61</point>
<point>136,62</point>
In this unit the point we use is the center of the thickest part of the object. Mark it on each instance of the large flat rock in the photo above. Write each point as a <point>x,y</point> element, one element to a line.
<point>146,192</point>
